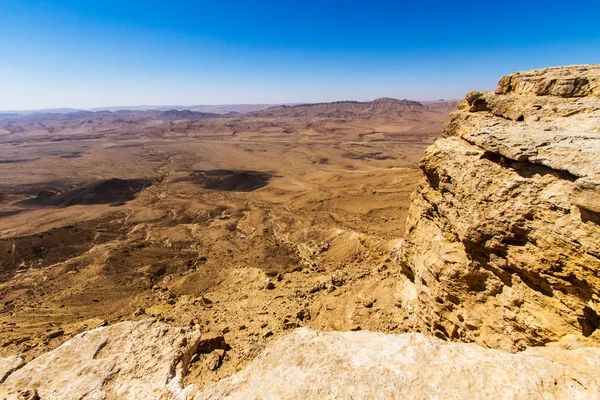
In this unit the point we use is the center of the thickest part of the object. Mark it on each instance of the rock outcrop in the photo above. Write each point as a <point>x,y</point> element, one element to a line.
<point>503,235</point>
<point>128,360</point>
<point>146,360</point>
<point>368,365</point>
<point>9,365</point>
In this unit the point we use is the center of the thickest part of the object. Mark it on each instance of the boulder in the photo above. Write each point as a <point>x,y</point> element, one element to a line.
<point>128,360</point>
<point>366,365</point>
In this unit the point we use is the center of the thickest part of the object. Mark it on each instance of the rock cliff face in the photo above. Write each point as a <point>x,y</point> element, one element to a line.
<point>503,236</point>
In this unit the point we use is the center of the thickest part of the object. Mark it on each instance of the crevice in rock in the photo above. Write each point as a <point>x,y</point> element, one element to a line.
<point>589,322</point>
<point>527,169</point>
<point>11,371</point>
<point>503,117</point>
<point>535,282</point>
<point>589,216</point>
<point>407,271</point>
<point>518,236</point>
<point>433,179</point>
<point>440,331</point>
<point>575,287</point>
<point>482,257</point>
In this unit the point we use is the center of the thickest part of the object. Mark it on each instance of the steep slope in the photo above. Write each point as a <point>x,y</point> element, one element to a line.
<point>503,235</point>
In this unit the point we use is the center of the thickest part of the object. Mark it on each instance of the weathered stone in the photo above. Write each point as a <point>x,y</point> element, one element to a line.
<point>55,334</point>
<point>366,365</point>
<point>139,311</point>
<point>212,341</point>
<point>9,365</point>
<point>503,233</point>
<point>28,394</point>
<point>269,285</point>
<point>144,359</point>
<point>148,359</point>
<point>574,81</point>
<point>214,359</point>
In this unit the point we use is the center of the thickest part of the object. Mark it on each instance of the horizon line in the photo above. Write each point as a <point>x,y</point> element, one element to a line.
<point>128,107</point>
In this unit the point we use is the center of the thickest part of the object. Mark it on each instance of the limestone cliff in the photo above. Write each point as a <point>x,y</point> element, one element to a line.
<point>503,235</point>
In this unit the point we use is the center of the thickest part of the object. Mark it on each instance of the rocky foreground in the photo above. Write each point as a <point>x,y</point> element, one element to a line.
<point>502,249</point>
<point>147,359</point>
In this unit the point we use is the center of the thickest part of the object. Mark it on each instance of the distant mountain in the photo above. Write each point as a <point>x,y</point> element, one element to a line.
<point>115,116</point>
<point>215,109</point>
<point>444,106</point>
<point>384,106</point>
<point>42,111</point>
<point>339,109</point>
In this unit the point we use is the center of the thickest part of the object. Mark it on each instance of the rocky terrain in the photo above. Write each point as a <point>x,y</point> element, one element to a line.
<point>148,359</point>
<point>258,235</point>
<point>244,226</point>
<point>503,233</point>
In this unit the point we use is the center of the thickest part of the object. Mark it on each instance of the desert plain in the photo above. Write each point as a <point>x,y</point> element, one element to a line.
<point>246,224</point>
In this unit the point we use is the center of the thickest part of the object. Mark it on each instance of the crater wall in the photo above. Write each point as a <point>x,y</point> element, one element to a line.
<point>503,234</point>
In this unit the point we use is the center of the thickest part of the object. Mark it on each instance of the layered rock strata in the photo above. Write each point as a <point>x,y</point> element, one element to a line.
<point>503,235</point>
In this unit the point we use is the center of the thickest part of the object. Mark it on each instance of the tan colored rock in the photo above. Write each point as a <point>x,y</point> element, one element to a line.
<point>503,234</point>
<point>213,362</point>
<point>9,365</point>
<point>128,360</point>
<point>367,365</point>
<point>573,81</point>
<point>212,341</point>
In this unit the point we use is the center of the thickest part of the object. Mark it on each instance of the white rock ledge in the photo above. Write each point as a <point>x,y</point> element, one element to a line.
<point>146,359</point>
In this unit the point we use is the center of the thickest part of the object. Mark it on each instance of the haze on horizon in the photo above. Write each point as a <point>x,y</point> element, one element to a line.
<point>81,54</point>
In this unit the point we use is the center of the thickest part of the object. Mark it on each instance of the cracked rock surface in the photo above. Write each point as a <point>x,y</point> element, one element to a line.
<point>132,360</point>
<point>146,360</point>
<point>366,365</point>
<point>503,234</point>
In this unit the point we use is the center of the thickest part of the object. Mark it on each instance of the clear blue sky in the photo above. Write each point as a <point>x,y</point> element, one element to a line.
<point>88,53</point>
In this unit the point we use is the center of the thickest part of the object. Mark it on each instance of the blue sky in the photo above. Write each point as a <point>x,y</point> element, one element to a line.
<point>91,53</point>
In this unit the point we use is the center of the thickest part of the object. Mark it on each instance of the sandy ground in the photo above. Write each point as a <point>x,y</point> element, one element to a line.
<point>245,226</point>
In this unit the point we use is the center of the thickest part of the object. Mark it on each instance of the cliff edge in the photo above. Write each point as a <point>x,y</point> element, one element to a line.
<point>503,234</point>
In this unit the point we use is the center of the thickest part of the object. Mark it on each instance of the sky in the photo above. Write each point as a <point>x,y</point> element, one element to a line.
<point>88,53</point>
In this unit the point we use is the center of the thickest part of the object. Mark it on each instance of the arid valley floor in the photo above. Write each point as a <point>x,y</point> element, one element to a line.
<point>250,225</point>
